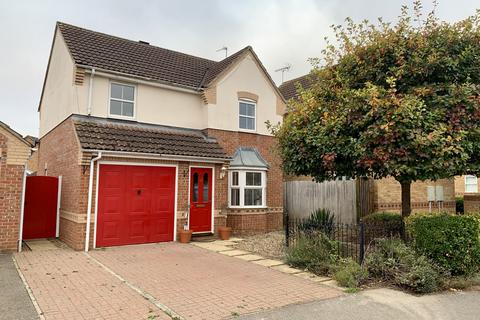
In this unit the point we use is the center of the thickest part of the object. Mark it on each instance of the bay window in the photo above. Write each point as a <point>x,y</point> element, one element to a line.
<point>247,189</point>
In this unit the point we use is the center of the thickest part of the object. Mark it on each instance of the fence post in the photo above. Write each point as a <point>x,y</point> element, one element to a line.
<point>287,226</point>
<point>362,242</point>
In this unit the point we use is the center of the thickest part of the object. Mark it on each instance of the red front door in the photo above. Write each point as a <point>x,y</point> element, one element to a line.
<point>201,200</point>
<point>135,204</point>
<point>40,213</point>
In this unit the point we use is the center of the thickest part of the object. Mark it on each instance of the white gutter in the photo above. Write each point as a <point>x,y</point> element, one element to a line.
<point>89,203</point>
<point>22,209</point>
<point>157,156</point>
<point>90,89</point>
<point>144,80</point>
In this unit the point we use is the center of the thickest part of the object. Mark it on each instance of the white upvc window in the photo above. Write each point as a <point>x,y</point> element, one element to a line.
<point>247,111</point>
<point>122,100</point>
<point>247,189</point>
<point>471,184</point>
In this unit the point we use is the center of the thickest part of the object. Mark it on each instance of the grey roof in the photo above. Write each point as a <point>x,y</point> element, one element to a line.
<point>100,50</point>
<point>248,157</point>
<point>127,136</point>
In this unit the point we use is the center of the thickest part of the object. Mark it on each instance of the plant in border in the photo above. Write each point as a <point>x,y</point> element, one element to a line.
<point>319,220</point>
<point>314,252</point>
<point>393,261</point>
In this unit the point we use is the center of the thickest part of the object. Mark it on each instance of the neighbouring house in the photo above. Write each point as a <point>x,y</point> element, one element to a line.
<point>425,195</point>
<point>14,155</point>
<point>32,163</point>
<point>148,140</point>
<point>466,184</point>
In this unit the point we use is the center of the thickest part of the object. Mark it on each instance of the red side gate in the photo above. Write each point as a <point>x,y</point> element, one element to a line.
<point>40,207</point>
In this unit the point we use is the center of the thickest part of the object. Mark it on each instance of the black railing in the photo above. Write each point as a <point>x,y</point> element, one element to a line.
<point>352,240</point>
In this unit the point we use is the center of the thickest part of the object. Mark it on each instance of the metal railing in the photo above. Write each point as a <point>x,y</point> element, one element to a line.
<point>352,240</point>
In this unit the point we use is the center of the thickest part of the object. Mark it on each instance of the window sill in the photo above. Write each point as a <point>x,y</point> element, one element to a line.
<point>247,130</point>
<point>247,207</point>
<point>112,116</point>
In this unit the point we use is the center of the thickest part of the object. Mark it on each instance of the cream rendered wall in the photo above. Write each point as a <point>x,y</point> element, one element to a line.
<point>153,104</point>
<point>246,76</point>
<point>59,99</point>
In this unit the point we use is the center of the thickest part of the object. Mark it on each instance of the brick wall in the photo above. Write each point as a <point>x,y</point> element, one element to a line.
<point>59,154</point>
<point>266,145</point>
<point>248,221</point>
<point>471,203</point>
<point>11,183</point>
<point>387,194</point>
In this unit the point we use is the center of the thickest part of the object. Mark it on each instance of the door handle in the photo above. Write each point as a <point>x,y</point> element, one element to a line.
<point>139,192</point>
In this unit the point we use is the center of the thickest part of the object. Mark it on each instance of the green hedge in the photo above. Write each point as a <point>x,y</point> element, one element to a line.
<point>382,217</point>
<point>451,241</point>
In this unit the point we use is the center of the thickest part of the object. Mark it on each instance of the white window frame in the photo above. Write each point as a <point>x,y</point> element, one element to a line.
<point>110,115</point>
<point>471,184</point>
<point>242,174</point>
<point>254,103</point>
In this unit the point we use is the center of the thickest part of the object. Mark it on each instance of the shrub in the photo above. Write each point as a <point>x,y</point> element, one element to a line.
<point>421,277</point>
<point>319,220</point>
<point>459,208</point>
<point>382,217</point>
<point>350,274</point>
<point>451,241</point>
<point>391,260</point>
<point>315,252</point>
<point>383,225</point>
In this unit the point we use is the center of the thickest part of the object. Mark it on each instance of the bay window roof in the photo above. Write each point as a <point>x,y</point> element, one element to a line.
<point>248,158</point>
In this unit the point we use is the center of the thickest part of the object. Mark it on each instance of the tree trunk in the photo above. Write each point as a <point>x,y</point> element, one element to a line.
<point>406,199</point>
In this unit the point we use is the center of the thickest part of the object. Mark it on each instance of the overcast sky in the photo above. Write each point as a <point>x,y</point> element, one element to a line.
<point>279,31</point>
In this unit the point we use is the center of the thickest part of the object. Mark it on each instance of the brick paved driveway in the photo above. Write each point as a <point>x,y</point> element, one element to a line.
<point>192,282</point>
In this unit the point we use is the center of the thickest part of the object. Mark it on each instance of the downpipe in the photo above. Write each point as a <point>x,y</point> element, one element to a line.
<point>89,203</point>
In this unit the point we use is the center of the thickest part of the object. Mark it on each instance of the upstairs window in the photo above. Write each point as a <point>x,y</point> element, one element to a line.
<point>247,112</point>
<point>122,100</point>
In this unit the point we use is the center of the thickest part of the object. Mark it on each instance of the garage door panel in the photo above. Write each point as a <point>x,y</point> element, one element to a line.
<point>136,204</point>
<point>111,230</point>
<point>137,228</point>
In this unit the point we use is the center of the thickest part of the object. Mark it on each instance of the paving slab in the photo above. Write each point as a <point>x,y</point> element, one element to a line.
<point>15,303</point>
<point>211,246</point>
<point>286,269</point>
<point>236,239</point>
<point>233,253</point>
<point>224,242</point>
<point>249,257</point>
<point>41,245</point>
<point>268,262</point>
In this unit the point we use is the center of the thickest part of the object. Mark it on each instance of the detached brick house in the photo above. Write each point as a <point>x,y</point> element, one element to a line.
<point>387,191</point>
<point>14,153</point>
<point>148,140</point>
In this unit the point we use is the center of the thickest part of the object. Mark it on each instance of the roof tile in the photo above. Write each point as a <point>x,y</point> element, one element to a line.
<point>119,135</point>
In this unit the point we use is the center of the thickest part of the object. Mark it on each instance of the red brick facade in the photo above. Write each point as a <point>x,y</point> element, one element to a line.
<point>60,154</point>
<point>11,183</point>
<point>247,221</point>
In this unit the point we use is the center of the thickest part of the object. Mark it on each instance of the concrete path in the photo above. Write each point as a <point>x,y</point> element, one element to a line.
<point>381,304</point>
<point>15,302</point>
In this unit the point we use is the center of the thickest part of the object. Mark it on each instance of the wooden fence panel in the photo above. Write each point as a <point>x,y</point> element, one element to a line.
<point>303,197</point>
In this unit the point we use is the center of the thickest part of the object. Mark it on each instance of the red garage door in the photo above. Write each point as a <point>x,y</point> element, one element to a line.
<point>135,205</point>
